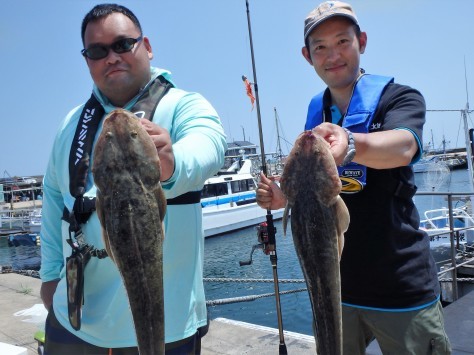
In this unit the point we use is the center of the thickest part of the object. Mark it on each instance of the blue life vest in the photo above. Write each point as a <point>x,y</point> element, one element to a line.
<point>365,98</point>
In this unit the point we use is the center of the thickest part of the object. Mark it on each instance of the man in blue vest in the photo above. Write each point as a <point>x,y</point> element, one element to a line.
<point>191,144</point>
<point>390,288</point>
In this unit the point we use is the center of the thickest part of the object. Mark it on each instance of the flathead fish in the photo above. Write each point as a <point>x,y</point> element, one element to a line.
<point>319,219</point>
<point>131,207</point>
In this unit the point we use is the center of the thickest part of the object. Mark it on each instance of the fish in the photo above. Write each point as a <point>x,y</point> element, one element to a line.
<point>319,219</point>
<point>131,205</point>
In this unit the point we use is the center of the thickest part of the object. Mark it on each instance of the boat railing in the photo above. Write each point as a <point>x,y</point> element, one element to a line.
<point>454,236</point>
<point>18,218</point>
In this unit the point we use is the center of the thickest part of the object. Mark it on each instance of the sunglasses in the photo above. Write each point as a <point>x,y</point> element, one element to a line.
<point>123,45</point>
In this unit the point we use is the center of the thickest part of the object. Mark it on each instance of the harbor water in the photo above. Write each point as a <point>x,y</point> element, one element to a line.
<point>223,254</point>
<point>23,257</point>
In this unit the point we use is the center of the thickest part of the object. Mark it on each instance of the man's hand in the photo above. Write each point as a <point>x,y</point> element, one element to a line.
<point>162,140</point>
<point>47,292</point>
<point>269,194</point>
<point>337,138</point>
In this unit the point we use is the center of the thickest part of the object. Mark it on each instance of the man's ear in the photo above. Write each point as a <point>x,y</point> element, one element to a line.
<point>147,44</point>
<point>306,55</point>
<point>362,42</point>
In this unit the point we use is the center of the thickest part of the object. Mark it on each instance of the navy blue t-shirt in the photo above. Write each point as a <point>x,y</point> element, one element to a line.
<point>386,262</point>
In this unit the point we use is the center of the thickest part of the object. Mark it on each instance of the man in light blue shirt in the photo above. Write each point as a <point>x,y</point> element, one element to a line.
<point>191,145</point>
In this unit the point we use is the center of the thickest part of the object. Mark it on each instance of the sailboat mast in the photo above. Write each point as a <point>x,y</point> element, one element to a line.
<point>432,141</point>
<point>466,132</point>
<point>468,145</point>
<point>278,148</point>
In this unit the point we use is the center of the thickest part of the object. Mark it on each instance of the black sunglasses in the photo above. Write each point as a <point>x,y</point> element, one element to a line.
<point>123,45</point>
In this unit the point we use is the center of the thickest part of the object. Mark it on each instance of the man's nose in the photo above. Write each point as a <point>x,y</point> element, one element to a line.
<point>113,57</point>
<point>333,52</point>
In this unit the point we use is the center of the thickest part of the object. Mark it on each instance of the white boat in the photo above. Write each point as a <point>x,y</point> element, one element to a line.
<point>229,201</point>
<point>34,221</point>
<point>436,224</point>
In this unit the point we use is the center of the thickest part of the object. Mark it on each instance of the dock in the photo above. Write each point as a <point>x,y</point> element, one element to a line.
<point>19,292</point>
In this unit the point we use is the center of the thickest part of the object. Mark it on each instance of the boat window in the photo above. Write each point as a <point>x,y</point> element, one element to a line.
<point>213,190</point>
<point>242,185</point>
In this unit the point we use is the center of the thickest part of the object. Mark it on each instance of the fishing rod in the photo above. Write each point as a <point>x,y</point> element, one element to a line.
<point>271,242</point>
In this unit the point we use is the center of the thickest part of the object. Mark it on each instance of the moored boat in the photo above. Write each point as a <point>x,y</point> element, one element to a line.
<point>229,201</point>
<point>34,221</point>
<point>437,225</point>
<point>19,239</point>
<point>451,161</point>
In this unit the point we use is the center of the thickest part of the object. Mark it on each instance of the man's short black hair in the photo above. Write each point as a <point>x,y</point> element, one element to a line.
<point>103,10</point>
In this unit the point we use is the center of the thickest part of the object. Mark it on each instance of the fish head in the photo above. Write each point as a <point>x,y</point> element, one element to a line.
<point>124,149</point>
<point>310,170</point>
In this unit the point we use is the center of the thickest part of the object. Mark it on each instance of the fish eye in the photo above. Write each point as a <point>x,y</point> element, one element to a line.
<point>134,134</point>
<point>109,134</point>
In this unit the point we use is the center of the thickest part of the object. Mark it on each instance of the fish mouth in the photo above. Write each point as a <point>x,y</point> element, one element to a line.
<point>307,141</point>
<point>311,142</point>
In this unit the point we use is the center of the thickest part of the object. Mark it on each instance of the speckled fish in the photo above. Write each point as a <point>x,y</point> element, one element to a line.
<point>319,219</point>
<point>131,206</point>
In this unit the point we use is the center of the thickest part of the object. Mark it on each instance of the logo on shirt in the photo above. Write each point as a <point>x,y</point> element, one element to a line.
<point>351,179</point>
<point>350,185</point>
<point>83,134</point>
<point>375,126</point>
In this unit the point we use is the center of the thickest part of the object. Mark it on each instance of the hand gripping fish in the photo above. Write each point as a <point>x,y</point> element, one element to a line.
<point>131,206</point>
<point>319,219</point>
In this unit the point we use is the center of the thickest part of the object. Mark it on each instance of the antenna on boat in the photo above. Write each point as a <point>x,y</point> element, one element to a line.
<point>465,78</point>
<point>278,148</point>
<point>269,216</point>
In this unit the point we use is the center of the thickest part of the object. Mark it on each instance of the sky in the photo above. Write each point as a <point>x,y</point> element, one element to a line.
<point>427,44</point>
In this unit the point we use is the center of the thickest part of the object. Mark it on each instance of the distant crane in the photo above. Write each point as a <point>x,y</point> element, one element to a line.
<point>5,173</point>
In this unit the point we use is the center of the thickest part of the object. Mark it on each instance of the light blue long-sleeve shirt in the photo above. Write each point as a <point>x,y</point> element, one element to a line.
<point>199,146</point>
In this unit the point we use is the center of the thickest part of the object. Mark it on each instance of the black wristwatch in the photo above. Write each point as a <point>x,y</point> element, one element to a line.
<point>351,149</point>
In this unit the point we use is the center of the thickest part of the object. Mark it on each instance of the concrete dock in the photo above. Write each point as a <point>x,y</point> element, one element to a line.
<point>18,292</point>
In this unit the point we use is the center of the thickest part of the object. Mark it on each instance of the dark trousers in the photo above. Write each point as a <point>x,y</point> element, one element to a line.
<point>59,341</point>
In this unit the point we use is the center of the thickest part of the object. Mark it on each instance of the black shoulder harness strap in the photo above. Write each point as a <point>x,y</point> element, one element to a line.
<point>81,150</point>
<point>394,185</point>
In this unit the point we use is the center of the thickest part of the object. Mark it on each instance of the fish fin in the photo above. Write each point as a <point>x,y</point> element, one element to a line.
<point>285,217</point>
<point>343,219</point>
<point>105,235</point>
<point>161,200</point>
